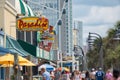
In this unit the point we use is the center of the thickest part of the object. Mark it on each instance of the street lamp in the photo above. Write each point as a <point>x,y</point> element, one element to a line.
<point>76,47</point>
<point>97,36</point>
<point>100,51</point>
<point>77,50</point>
<point>117,35</point>
<point>117,38</point>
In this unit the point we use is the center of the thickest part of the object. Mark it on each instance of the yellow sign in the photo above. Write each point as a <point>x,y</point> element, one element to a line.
<point>32,24</point>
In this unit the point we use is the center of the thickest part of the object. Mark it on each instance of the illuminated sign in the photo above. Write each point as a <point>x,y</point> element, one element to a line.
<point>32,24</point>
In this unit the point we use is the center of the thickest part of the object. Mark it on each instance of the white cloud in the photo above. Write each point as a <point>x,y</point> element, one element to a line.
<point>101,30</point>
<point>97,2</point>
<point>80,10</point>
<point>101,15</point>
<point>98,19</point>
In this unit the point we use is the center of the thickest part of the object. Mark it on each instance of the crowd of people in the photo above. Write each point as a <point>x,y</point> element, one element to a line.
<point>81,75</point>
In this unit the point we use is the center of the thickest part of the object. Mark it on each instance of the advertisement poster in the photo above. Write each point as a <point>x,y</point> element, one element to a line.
<point>46,38</point>
<point>45,45</point>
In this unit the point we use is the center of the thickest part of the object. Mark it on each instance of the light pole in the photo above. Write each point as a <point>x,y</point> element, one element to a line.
<point>100,51</point>
<point>116,38</point>
<point>59,23</point>
<point>77,50</point>
<point>117,35</point>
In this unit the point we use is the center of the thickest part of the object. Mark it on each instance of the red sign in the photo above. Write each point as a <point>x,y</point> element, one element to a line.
<point>45,45</point>
<point>32,24</point>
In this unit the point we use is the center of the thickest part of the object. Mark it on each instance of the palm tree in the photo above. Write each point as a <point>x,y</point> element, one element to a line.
<point>111,50</point>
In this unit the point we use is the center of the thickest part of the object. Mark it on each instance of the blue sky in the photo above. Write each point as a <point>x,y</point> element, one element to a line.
<point>97,15</point>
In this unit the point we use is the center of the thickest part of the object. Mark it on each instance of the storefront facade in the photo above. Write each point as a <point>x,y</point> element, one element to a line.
<point>8,41</point>
<point>9,37</point>
<point>7,26</point>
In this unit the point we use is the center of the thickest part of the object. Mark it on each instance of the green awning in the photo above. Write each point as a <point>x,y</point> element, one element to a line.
<point>23,8</point>
<point>14,46</point>
<point>28,47</point>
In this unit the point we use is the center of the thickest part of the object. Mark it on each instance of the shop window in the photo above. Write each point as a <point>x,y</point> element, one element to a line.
<point>28,37</point>
<point>1,40</point>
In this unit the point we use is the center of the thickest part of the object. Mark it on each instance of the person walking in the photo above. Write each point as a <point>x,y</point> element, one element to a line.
<point>108,75</point>
<point>25,76</point>
<point>99,74</point>
<point>57,74</point>
<point>52,75</point>
<point>45,74</point>
<point>77,76</point>
<point>87,75</point>
<point>83,75</point>
<point>63,76</point>
<point>116,74</point>
<point>92,74</point>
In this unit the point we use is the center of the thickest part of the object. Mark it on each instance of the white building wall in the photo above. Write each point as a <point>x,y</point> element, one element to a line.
<point>8,18</point>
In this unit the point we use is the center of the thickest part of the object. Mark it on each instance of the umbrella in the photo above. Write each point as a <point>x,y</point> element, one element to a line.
<point>8,61</point>
<point>66,69</point>
<point>47,66</point>
<point>28,63</point>
<point>63,68</point>
<point>6,65</point>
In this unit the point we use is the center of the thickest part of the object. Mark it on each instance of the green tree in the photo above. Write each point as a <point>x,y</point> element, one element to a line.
<point>111,50</point>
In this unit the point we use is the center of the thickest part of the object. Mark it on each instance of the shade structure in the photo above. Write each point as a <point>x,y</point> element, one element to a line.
<point>63,69</point>
<point>9,59</point>
<point>15,47</point>
<point>28,63</point>
<point>66,69</point>
<point>6,65</point>
<point>4,50</point>
<point>46,66</point>
<point>22,8</point>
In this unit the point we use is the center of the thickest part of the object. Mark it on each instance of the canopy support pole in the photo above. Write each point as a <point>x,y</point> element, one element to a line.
<point>16,67</point>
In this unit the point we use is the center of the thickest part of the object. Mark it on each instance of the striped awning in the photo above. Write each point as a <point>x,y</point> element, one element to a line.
<point>23,9</point>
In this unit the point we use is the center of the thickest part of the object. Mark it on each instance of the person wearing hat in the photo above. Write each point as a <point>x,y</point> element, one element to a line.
<point>92,74</point>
